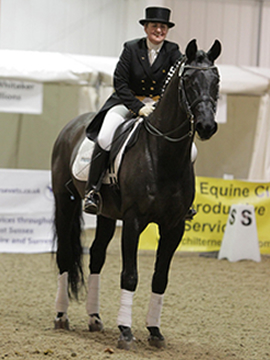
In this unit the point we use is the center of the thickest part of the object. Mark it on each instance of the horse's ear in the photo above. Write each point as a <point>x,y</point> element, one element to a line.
<point>191,50</point>
<point>215,51</point>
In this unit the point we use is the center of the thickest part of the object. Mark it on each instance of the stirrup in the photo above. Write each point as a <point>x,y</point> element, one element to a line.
<point>190,214</point>
<point>92,203</point>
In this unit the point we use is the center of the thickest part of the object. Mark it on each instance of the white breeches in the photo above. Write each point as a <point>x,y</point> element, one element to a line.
<point>116,116</point>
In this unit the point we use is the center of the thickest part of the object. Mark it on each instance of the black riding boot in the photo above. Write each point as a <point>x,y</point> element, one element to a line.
<point>99,162</point>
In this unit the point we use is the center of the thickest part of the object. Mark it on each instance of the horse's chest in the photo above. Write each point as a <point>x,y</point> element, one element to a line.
<point>167,204</point>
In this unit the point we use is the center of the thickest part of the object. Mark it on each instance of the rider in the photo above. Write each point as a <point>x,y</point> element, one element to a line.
<point>138,79</point>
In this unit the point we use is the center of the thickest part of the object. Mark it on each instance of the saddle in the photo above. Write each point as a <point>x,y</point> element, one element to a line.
<point>124,132</point>
<point>126,135</point>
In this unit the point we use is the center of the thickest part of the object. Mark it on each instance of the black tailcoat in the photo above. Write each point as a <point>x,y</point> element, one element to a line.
<point>134,76</point>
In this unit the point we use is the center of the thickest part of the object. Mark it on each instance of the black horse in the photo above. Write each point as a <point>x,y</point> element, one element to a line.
<point>155,184</point>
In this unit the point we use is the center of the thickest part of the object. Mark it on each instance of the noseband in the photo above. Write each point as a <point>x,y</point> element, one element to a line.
<point>182,100</point>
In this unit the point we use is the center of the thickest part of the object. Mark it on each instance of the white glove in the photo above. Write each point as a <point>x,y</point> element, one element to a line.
<point>146,110</point>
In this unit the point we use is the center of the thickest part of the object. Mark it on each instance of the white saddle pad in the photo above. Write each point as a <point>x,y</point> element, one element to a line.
<point>80,167</point>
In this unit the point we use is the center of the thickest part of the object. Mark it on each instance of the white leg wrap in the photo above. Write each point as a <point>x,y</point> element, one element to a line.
<point>92,303</point>
<point>125,311</point>
<point>154,311</point>
<point>62,300</point>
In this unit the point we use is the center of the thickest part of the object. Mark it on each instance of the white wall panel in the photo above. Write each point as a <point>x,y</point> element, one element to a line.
<point>265,39</point>
<point>203,21</point>
<point>100,27</point>
<point>248,35</point>
<point>235,23</point>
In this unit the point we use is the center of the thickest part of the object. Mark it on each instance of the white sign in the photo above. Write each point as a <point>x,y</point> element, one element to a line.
<point>221,116</point>
<point>21,97</point>
<point>26,211</point>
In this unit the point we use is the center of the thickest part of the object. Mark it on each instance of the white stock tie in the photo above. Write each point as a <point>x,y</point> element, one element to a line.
<point>152,56</point>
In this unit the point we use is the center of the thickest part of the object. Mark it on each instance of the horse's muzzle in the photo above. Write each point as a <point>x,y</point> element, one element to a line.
<point>206,130</point>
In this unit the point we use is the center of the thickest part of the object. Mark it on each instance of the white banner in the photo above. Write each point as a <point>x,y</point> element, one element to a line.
<point>26,211</point>
<point>22,97</point>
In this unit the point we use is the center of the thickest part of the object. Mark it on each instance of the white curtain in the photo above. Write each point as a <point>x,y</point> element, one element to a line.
<point>260,162</point>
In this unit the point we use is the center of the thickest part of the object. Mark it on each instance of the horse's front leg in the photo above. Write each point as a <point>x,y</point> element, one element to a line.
<point>168,243</point>
<point>129,280</point>
<point>104,233</point>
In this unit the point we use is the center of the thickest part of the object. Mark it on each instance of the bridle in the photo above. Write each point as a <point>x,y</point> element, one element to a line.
<point>182,99</point>
<point>182,89</point>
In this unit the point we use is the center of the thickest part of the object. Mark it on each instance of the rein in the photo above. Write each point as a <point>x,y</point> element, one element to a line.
<point>155,132</point>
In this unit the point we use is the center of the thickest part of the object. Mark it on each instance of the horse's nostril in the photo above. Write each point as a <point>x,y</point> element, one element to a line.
<point>199,127</point>
<point>205,131</point>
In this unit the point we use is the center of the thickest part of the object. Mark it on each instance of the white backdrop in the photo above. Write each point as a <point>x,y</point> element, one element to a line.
<point>93,27</point>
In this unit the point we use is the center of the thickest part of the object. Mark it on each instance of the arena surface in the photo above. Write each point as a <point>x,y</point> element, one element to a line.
<point>212,310</point>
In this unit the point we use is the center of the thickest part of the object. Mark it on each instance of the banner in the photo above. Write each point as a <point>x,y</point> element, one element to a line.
<point>22,97</point>
<point>213,200</point>
<point>27,206</point>
<point>26,211</point>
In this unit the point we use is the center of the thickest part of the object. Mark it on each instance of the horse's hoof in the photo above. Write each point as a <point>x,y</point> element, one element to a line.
<point>157,342</point>
<point>126,340</point>
<point>156,339</point>
<point>61,323</point>
<point>95,323</point>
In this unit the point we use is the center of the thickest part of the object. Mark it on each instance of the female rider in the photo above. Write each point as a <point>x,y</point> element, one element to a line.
<point>138,80</point>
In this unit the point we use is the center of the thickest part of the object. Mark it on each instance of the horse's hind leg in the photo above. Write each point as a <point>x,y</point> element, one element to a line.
<point>104,233</point>
<point>168,243</point>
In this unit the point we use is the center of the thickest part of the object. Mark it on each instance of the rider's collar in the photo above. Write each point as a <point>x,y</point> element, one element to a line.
<point>152,46</point>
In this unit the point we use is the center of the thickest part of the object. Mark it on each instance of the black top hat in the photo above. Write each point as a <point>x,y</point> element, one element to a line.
<point>157,14</point>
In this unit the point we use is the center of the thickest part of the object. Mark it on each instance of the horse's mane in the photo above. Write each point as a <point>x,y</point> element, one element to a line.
<point>201,56</point>
<point>170,75</point>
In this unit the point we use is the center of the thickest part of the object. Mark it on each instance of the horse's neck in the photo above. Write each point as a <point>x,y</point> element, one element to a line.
<point>168,114</point>
<point>169,117</point>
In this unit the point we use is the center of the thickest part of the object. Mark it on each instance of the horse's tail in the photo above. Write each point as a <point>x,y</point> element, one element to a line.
<point>68,227</point>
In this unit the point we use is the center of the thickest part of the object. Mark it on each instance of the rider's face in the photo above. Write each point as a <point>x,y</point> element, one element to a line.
<point>156,32</point>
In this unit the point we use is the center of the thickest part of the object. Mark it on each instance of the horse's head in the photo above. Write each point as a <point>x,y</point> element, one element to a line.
<point>200,86</point>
